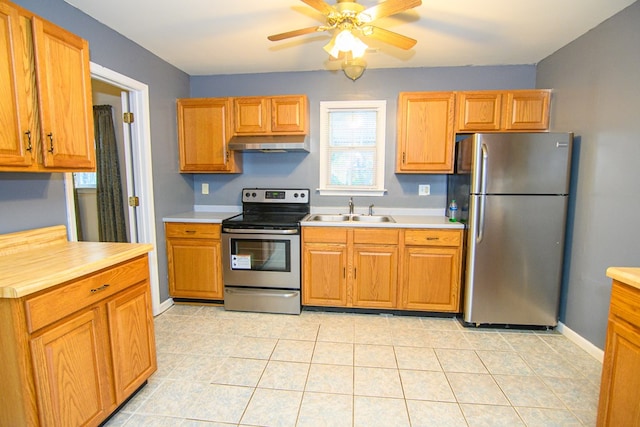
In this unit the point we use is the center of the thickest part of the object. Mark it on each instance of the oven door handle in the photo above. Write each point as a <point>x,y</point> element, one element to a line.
<point>256,231</point>
<point>263,293</point>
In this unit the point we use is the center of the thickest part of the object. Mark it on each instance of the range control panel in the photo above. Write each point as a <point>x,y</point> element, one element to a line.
<point>275,195</point>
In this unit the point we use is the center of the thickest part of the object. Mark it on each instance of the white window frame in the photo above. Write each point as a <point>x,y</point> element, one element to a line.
<point>326,107</point>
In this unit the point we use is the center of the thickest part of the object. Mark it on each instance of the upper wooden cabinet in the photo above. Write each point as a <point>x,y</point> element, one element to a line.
<point>273,115</point>
<point>494,111</point>
<point>425,132</point>
<point>46,118</point>
<point>204,130</point>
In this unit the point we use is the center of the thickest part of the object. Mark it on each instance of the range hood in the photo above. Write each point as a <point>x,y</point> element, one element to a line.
<point>280,143</point>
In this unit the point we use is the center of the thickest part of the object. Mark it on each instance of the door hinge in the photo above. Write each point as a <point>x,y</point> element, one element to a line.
<point>134,201</point>
<point>127,117</point>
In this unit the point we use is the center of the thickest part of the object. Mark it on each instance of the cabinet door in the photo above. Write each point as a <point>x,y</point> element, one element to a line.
<point>64,90</point>
<point>195,268</point>
<point>478,111</point>
<point>203,135</point>
<point>289,114</point>
<point>324,274</point>
<point>16,145</point>
<point>375,276</point>
<point>133,346</point>
<point>251,115</point>
<point>425,132</point>
<point>70,371</point>
<point>526,110</point>
<point>431,278</point>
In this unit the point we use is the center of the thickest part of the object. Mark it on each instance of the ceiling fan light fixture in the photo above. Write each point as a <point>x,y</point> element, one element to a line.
<point>354,68</point>
<point>345,41</point>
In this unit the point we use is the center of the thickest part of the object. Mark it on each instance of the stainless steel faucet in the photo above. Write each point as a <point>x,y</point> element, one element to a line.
<point>371,209</point>
<point>350,205</point>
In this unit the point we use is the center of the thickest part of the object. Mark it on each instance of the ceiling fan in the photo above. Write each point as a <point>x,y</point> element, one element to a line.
<point>352,22</point>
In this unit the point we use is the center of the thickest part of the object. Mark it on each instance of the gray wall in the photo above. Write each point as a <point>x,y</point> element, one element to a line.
<point>302,169</point>
<point>596,82</point>
<point>37,200</point>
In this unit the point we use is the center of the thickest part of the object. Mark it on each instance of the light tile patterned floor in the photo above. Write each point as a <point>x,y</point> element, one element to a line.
<point>220,368</point>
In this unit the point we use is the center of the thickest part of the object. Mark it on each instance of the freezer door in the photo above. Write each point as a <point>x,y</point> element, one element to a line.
<point>521,163</point>
<point>514,260</point>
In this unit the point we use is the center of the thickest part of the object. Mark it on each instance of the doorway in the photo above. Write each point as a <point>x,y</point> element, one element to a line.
<point>112,102</point>
<point>139,178</point>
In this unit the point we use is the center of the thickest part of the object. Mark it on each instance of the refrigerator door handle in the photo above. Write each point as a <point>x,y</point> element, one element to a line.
<point>483,194</point>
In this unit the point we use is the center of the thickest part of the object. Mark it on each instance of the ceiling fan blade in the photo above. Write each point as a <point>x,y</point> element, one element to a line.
<point>294,33</point>
<point>387,8</point>
<point>320,6</point>
<point>395,39</point>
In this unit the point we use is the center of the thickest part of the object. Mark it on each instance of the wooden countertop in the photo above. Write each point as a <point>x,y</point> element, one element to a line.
<point>628,275</point>
<point>34,260</point>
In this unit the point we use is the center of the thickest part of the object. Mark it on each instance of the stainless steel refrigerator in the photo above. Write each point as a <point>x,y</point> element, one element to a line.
<point>512,192</point>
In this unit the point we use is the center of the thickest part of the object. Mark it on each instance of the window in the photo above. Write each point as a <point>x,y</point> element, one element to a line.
<point>352,148</point>
<point>84,179</point>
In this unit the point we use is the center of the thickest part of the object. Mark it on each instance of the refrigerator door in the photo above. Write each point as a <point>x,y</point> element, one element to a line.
<point>514,259</point>
<point>521,163</point>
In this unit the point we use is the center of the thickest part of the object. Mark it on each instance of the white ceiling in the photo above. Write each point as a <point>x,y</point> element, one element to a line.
<point>204,37</point>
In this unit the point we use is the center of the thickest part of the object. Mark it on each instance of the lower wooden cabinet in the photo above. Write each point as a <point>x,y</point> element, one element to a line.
<point>324,266</point>
<point>74,353</point>
<point>431,270</point>
<point>194,260</point>
<point>385,268</point>
<point>620,383</point>
<point>70,371</point>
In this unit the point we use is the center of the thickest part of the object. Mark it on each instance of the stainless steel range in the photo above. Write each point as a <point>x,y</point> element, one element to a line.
<point>261,251</point>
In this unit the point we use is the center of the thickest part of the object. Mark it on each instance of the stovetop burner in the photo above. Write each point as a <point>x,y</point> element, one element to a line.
<point>270,208</point>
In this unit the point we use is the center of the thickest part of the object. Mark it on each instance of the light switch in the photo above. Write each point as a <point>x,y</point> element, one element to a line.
<point>205,188</point>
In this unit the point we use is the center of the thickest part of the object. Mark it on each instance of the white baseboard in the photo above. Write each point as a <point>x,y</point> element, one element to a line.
<point>164,306</point>
<point>580,341</point>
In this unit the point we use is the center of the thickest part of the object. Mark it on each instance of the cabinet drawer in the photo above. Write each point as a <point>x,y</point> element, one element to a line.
<point>376,235</point>
<point>48,307</point>
<point>193,230</point>
<point>324,234</point>
<point>433,237</point>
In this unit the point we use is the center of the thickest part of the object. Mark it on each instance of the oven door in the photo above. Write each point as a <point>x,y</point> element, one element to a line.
<point>255,258</point>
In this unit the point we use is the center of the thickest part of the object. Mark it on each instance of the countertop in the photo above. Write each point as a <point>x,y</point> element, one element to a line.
<point>628,275</point>
<point>403,220</point>
<point>27,272</point>
<point>214,217</point>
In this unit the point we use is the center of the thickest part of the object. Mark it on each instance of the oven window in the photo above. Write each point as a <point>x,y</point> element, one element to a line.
<point>261,255</point>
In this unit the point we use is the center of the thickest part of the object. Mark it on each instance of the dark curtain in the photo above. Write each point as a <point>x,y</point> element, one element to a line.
<point>109,186</point>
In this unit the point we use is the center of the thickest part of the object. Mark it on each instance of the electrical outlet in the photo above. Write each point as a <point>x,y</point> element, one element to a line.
<point>205,188</point>
<point>424,190</point>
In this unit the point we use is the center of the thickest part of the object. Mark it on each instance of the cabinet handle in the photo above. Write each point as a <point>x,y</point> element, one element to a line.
<point>354,272</point>
<point>100,288</point>
<point>344,272</point>
<point>432,238</point>
<point>50,135</point>
<point>190,231</point>
<point>28,134</point>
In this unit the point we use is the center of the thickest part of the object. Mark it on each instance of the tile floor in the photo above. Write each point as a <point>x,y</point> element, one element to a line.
<point>220,368</point>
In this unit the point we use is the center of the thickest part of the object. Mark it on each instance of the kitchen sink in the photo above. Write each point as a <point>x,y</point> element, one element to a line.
<point>328,218</point>
<point>372,218</point>
<point>350,218</point>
